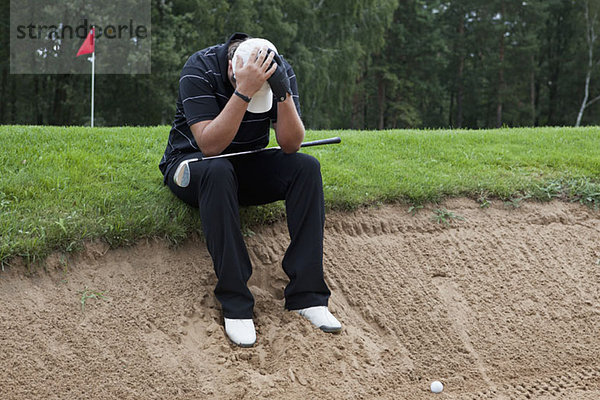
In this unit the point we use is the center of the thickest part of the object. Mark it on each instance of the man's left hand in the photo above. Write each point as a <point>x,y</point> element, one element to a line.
<point>279,81</point>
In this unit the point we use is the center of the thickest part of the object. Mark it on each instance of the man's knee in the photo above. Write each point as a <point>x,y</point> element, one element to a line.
<point>215,176</point>
<point>218,170</point>
<point>307,164</point>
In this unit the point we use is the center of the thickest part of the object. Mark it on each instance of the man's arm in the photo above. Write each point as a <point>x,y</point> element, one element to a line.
<point>215,135</point>
<point>289,129</point>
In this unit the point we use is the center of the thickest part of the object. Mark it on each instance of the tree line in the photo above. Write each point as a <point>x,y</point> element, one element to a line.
<point>360,64</point>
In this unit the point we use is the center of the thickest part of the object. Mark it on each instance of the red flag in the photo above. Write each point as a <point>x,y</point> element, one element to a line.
<point>88,44</point>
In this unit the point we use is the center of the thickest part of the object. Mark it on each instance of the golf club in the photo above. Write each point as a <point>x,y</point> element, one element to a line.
<point>182,173</point>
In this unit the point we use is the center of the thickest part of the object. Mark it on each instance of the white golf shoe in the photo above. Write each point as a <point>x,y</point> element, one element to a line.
<point>241,331</point>
<point>320,317</point>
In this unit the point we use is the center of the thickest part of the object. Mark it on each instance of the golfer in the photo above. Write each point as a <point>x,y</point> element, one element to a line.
<point>229,95</point>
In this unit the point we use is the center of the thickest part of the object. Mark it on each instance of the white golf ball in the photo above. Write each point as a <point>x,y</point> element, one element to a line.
<point>437,387</point>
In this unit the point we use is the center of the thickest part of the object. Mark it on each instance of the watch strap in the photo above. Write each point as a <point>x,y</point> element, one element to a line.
<point>243,97</point>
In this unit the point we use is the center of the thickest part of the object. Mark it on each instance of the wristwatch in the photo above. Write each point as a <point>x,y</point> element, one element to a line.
<point>243,97</point>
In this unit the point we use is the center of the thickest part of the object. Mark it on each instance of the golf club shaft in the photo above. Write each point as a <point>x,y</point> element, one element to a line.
<point>182,173</point>
<point>305,144</point>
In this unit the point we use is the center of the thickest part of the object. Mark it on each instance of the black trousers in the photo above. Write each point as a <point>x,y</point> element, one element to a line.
<point>219,186</point>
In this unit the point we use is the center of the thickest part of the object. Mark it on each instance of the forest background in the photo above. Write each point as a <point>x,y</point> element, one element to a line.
<point>361,64</point>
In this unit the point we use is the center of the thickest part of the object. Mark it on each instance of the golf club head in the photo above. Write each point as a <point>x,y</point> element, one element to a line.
<point>182,174</point>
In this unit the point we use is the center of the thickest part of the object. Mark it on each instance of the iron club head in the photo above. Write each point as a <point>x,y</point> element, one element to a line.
<point>182,174</point>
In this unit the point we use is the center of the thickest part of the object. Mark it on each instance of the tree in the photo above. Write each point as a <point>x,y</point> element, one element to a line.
<point>362,64</point>
<point>591,19</point>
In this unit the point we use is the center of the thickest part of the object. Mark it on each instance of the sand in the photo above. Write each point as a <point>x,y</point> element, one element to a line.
<point>504,304</point>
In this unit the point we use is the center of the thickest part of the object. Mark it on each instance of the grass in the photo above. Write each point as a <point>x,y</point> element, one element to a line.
<point>62,186</point>
<point>89,294</point>
<point>443,216</point>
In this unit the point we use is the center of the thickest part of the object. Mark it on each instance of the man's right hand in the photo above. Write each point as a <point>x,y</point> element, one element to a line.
<point>215,135</point>
<point>252,75</point>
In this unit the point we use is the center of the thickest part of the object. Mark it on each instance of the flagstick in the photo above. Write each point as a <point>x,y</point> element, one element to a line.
<point>93,64</point>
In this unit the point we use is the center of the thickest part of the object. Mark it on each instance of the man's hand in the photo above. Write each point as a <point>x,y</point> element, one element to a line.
<point>215,135</point>
<point>279,81</point>
<point>250,77</point>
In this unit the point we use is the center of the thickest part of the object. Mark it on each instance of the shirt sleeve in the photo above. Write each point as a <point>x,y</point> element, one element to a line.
<point>197,97</point>
<point>294,86</point>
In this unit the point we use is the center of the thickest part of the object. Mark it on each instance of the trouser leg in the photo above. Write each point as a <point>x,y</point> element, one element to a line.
<point>303,260</point>
<point>214,190</point>
<point>295,178</point>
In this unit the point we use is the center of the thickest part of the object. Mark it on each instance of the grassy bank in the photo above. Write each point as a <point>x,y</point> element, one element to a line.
<point>62,186</point>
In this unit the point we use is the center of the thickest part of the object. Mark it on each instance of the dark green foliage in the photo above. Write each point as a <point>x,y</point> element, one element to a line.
<point>361,64</point>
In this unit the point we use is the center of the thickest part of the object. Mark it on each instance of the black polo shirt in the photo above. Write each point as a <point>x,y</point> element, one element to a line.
<point>204,90</point>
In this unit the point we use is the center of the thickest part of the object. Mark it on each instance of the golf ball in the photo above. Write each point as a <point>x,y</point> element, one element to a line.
<point>437,387</point>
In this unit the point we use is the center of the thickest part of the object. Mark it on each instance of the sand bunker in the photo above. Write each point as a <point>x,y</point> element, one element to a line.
<point>504,304</point>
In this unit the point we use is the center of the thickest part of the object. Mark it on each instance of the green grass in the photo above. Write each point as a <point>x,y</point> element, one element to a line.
<point>62,186</point>
<point>443,216</point>
<point>90,294</point>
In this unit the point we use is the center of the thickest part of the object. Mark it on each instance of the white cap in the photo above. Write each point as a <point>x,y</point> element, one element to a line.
<point>262,101</point>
